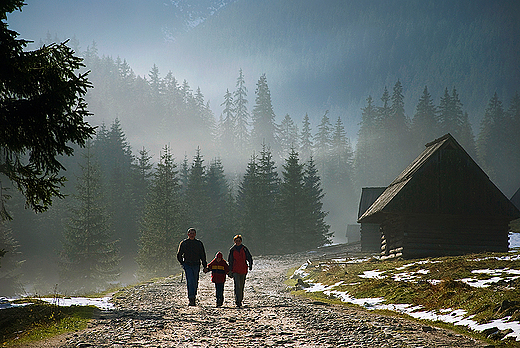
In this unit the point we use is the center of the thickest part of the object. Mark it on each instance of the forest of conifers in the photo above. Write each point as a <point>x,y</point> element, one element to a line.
<point>285,185</point>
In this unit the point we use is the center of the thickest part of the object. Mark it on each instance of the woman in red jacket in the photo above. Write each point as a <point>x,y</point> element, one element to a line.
<point>240,260</point>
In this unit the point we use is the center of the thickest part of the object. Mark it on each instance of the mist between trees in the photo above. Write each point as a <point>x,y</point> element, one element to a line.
<point>283,187</point>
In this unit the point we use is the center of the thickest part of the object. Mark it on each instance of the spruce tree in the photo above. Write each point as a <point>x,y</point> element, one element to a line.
<point>163,224</point>
<point>241,116</point>
<point>264,129</point>
<point>42,111</point>
<point>227,139</point>
<point>89,254</point>
<point>398,135</point>
<point>322,141</point>
<point>306,144</point>
<point>425,127</point>
<point>316,231</point>
<point>114,155</point>
<point>341,155</point>
<point>156,89</point>
<point>206,126</point>
<point>141,178</point>
<point>467,138</point>
<point>267,200</point>
<point>513,142</point>
<point>491,142</point>
<point>448,115</point>
<point>184,174</point>
<point>288,135</point>
<point>197,198</point>
<point>292,204</point>
<point>216,220</point>
<point>338,180</point>
<point>366,156</point>
<point>256,201</point>
<point>249,219</point>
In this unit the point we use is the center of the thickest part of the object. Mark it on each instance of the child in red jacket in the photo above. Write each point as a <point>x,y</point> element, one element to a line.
<point>219,268</point>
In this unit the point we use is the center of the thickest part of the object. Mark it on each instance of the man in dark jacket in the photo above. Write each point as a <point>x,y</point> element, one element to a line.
<point>190,255</point>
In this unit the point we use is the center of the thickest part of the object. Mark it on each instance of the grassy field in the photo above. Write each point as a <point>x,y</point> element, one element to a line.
<point>485,286</point>
<point>40,320</point>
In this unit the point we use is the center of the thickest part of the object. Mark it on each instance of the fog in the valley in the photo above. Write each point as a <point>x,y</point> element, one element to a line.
<point>372,81</point>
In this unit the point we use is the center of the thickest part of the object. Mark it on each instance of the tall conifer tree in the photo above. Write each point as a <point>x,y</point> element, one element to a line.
<point>227,126</point>
<point>306,144</point>
<point>425,127</point>
<point>217,237</point>
<point>141,177</point>
<point>197,198</point>
<point>322,141</point>
<point>365,160</point>
<point>316,231</point>
<point>163,224</point>
<point>513,154</point>
<point>288,135</point>
<point>293,204</point>
<point>264,129</point>
<point>89,254</point>
<point>241,115</point>
<point>491,142</point>
<point>247,207</point>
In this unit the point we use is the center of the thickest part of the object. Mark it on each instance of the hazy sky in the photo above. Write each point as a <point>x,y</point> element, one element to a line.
<point>125,28</point>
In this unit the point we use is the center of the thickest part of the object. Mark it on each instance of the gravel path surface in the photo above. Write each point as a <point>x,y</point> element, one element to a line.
<point>157,315</point>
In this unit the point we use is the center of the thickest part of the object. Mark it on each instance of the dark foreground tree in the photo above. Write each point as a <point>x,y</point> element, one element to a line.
<point>316,231</point>
<point>293,204</point>
<point>42,112</point>
<point>90,258</point>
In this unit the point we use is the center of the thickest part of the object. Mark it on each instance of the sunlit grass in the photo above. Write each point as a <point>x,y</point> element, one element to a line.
<point>39,321</point>
<point>433,284</point>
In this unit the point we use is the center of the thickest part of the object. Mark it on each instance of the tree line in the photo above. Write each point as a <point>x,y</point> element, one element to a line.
<point>240,190</point>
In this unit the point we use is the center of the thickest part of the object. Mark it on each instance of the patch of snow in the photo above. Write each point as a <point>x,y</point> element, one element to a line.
<point>6,303</point>
<point>423,262</point>
<point>300,272</point>
<point>404,277</point>
<point>514,240</point>
<point>480,283</point>
<point>99,302</point>
<point>375,274</point>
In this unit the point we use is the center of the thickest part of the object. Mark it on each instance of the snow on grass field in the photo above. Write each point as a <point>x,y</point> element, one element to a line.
<point>337,279</point>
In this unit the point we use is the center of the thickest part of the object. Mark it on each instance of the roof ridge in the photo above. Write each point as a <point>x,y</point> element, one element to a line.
<point>444,137</point>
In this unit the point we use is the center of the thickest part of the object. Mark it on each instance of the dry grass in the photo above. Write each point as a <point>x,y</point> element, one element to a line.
<point>431,283</point>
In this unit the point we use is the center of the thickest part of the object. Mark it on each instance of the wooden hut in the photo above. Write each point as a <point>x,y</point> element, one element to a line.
<point>370,235</point>
<point>442,204</point>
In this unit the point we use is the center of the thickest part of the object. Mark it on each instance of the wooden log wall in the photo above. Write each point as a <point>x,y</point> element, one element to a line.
<point>415,236</point>
<point>370,238</point>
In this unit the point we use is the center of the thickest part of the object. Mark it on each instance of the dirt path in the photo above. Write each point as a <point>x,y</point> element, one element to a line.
<point>157,315</point>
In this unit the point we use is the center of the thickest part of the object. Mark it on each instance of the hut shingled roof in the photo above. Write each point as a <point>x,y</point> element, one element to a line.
<point>422,196</point>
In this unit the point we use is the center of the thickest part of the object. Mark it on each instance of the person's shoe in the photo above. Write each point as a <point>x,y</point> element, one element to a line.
<point>239,304</point>
<point>219,303</point>
<point>192,302</point>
